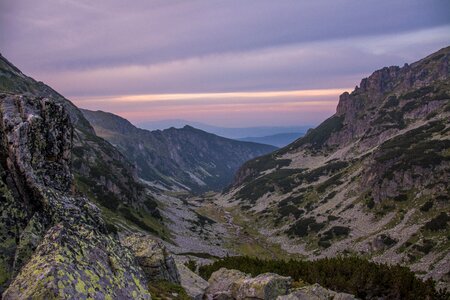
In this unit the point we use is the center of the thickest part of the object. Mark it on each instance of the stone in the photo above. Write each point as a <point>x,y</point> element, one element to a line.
<point>315,292</point>
<point>193,284</point>
<point>153,257</point>
<point>221,281</point>
<point>265,286</point>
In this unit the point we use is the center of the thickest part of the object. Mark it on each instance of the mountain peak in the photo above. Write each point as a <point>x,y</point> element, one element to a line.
<point>372,179</point>
<point>185,158</point>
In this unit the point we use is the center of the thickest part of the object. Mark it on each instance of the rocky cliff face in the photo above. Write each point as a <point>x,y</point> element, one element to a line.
<point>372,179</point>
<point>54,244</point>
<point>100,171</point>
<point>185,158</point>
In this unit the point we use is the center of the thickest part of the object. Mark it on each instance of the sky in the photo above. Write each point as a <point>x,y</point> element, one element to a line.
<point>228,63</point>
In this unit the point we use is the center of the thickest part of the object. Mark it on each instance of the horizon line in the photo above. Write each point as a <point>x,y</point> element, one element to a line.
<point>211,95</point>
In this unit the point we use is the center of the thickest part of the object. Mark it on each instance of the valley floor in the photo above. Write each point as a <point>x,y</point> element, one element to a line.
<point>204,228</point>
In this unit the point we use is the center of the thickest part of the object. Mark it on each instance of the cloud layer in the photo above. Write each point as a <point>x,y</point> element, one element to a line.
<point>113,49</point>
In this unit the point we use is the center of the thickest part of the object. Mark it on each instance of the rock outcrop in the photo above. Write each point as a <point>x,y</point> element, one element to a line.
<point>100,171</point>
<point>315,292</point>
<point>54,244</point>
<point>153,258</point>
<point>225,284</point>
<point>193,284</point>
<point>372,179</point>
<point>221,283</point>
<point>264,286</point>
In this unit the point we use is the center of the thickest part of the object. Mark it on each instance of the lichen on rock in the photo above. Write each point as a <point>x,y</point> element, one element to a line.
<point>153,257</point>
<point>56,244</point>
<point>315,292</point>
<point>265,286</point>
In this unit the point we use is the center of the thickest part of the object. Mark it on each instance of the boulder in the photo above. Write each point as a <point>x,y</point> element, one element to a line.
<point>316,292</point>
<point>221,281</point>
<point>193,284</point>
<point>265,286</point>
<point>78,262</point>
<point>153,257</point>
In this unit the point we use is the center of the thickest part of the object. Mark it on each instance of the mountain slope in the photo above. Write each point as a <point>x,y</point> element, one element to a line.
<point>277,140</point>
<point>228,132</point>
<point>373,179</point>
<point>100,171</point>
<point>185,157</point>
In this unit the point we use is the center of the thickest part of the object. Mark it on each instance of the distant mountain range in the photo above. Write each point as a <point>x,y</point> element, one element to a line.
<point>186,158</point>
<point>241,133</point>
<point>278,140</point>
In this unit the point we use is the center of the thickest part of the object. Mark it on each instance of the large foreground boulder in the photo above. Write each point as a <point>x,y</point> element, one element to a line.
<point>227,284</point>
<point>79,263</point>
<point>316,292</point>
<point>265,286</point>
<point>153,257</point>
<point>221,281</point>
<point>193,284</point>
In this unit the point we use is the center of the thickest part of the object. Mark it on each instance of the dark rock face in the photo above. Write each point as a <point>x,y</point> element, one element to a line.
<point>384,105</point>
<point>100,170</point>
<point>379,166</point>
<point>153,257</point>
<point>54,244</point>
<point>185,157</point>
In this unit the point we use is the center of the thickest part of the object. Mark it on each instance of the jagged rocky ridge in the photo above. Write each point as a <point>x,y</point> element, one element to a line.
<point>372,180</point>
<point>185,158</point>
<point>54,244</point>
<point>100,171</point>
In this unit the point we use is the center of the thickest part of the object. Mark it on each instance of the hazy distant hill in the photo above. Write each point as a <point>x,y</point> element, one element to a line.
<point>278,140</point>
<point>185,157</point>
<point>228,132</point>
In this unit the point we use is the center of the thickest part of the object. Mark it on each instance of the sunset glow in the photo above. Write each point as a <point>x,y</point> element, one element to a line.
<point>301,106</point>
<point>274,63</point>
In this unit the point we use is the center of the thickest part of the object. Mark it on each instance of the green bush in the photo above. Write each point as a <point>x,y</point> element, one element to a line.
<point>191,265</point>
<point>387,240</point>
<point>420,92</point>
<point>335,231</point>
<point>202,220</point>
<point>438,223</point>
<point>401,197</point>
<point>370,203</point>
<point>391,101</point>
<point>304,226</point>
<point>426,206</point>
<point>317,137</point>
<point>127,214</point>
<point>162,290</point>
<point>425,247</point>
